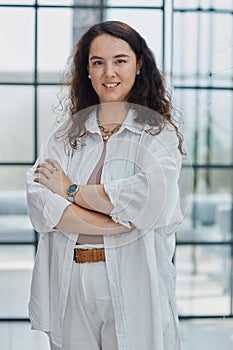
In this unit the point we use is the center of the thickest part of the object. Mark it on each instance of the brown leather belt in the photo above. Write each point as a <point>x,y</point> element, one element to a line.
<point>89,255</point>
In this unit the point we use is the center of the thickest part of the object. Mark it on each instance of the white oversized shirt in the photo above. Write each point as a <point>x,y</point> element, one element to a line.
<point>140,175</point>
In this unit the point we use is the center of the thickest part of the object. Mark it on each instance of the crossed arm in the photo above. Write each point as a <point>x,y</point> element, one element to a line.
<point>90,212</point>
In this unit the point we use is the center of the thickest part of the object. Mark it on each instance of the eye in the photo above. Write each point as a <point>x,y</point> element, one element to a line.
<point>97,63</point>
<point>121,61</point>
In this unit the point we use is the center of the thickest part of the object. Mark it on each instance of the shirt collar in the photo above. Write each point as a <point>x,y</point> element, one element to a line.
<point>129,123</point>
<point>91,123</point>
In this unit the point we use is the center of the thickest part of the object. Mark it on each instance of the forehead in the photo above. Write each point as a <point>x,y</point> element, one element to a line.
<point>105,45</point>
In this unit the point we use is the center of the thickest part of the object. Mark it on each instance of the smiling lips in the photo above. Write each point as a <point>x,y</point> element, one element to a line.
<point>111,85</point>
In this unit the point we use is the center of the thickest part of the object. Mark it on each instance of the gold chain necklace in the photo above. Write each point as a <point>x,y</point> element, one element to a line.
<point>108,132</point>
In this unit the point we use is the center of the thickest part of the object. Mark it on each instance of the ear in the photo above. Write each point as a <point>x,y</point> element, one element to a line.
<point>139,63</point>
<point>88,73</point>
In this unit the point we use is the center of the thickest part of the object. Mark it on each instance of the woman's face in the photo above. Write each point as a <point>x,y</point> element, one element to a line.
<point>112,66</point>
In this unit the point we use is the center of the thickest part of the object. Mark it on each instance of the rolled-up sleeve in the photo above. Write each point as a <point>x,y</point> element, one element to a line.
<point>45,208</point>
<point>149,198</point>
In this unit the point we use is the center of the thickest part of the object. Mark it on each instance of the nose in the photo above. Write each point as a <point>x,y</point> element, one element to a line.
<point>109,70</point>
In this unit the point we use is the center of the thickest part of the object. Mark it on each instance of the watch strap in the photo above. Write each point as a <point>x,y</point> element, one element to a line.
<point>71,192</point>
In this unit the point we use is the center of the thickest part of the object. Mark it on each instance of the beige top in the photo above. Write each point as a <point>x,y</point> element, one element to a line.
<point>94,179</point>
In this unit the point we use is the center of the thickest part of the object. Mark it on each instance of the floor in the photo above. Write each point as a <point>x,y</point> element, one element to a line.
<point>200,290</point>
<point>207,334</point>
<point>196,335</point>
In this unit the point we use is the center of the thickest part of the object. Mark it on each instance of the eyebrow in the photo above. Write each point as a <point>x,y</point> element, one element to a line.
<point>100,58</point>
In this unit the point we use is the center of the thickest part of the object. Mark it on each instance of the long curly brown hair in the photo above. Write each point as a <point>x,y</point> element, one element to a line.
<point>148,89</point>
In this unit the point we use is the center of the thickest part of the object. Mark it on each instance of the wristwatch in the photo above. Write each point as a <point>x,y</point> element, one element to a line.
<point>71,191</point>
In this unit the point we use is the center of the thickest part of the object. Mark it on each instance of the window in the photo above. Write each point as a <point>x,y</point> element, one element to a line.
<point>191,45</point>
<point>36,40</point>
<point>202,67</point>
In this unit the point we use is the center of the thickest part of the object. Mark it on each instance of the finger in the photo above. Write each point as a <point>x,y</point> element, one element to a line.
<point>41,180</point>
<point>43,165</point>
<point>54,163</point>
<point>46,166</point>
<point>44,171</point>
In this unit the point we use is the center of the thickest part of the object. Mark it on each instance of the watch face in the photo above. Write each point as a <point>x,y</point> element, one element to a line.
<point>72,188</point>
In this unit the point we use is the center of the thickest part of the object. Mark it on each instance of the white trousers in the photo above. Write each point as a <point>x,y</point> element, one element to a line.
<point>89,319</point>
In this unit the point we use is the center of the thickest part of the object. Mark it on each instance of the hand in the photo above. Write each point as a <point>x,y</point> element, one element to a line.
<point>53,177</point>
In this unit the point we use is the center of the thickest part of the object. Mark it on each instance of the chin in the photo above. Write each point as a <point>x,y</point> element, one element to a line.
<point>112,100</point>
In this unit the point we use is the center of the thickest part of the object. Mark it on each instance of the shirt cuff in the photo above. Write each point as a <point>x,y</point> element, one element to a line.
<point>111,190</point>
<point>53,211</point>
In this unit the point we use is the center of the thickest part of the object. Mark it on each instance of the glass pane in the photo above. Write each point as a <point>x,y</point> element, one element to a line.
<point>17,227</point>
<point>222,4</point>
<point>54,43</point>
<point>83,19</point>
<point>207,124</point>
<point>203,280</point>
<point>49,112</point>
<point>209,217</point>
<point>16,264</point>
<point>216,4</point>
<point>16,132</point>
<point>14,222</point>
<point>12,178</point>
<point>135,2</point>
<point>106,2</point>
<point>17,44</point>
<point>16,2</point>
<point>55,2</point>
<point>206,334</point>
<point>186,4</point>
<point>205,49</point>
<point>19,336</point>
<point>150,28</point>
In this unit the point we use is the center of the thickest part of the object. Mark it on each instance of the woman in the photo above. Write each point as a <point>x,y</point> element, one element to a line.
<point>104,196</point>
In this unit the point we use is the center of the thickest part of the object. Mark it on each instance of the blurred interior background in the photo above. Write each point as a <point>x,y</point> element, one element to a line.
<point>193,45</point>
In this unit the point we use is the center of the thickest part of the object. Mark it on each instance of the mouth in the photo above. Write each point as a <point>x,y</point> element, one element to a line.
<point>111,85</point>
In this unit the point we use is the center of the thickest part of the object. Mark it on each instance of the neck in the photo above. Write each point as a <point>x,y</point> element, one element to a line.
<point>112,113</point>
